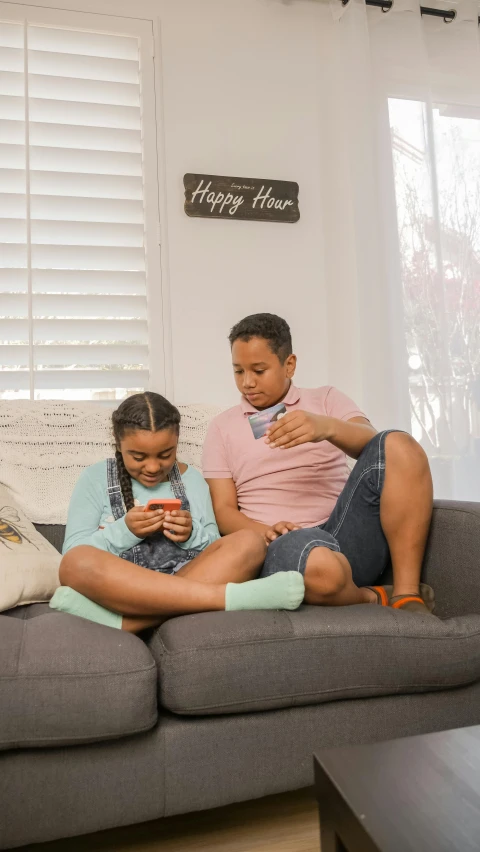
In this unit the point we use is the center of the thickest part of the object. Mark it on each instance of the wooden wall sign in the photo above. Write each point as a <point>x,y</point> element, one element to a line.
<point>218,197</point>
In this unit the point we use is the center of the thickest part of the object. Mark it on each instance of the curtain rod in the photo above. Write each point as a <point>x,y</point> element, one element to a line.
<point>448,15</point>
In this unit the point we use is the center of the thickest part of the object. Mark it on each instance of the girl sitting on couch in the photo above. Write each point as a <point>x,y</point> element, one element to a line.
<point>130,568</point>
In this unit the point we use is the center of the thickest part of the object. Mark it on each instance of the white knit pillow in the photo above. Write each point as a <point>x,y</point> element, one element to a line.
<point>44,446</point>
<point>28,563</point>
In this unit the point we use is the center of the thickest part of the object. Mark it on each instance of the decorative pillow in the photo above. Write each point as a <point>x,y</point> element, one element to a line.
<point>28,562</point>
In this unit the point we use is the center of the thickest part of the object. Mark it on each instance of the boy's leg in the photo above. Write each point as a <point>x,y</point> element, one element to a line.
<point>315,553</point>
<point>367,519</point>
<point>406,506</point>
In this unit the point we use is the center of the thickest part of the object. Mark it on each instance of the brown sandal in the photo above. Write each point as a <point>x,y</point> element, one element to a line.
<point>383,594</point>
<point>410,603</point>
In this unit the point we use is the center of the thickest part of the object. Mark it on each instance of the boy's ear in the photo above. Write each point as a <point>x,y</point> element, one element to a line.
<point>291,365</point>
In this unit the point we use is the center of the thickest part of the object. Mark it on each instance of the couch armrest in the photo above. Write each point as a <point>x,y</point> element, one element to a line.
<point>452,558</point>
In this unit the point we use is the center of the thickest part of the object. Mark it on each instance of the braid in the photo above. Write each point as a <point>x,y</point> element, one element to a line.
<point>125,482</point>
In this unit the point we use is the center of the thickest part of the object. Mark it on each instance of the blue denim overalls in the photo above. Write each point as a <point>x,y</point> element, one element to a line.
<point>155,552</point>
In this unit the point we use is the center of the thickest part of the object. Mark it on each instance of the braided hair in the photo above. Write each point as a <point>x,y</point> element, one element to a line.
<point>148,411</point>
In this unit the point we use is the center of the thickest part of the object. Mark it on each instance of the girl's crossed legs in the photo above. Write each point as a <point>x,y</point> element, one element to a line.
<point>209,582</point>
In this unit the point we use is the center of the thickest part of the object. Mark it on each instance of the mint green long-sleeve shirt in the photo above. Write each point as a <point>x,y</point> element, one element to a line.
<point>90,519</point>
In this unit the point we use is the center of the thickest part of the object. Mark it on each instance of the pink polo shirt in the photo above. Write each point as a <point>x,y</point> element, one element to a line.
<point>301,484</point>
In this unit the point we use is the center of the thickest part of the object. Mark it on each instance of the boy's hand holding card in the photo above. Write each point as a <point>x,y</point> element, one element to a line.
<point>264,420</point>
<point>298,427</point>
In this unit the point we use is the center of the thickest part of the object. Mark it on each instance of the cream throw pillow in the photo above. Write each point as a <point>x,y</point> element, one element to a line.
<point>28,562</point>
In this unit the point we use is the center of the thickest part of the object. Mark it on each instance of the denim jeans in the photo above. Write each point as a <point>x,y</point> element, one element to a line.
<point>353,528</point>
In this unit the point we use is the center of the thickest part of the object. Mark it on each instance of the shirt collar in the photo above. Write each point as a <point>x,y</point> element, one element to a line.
<point>291,398</point>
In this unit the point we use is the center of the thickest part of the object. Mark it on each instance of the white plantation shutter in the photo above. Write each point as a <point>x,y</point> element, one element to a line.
<point>73,296</point>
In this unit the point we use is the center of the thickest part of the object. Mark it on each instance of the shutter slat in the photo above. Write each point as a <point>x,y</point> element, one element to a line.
<point>11,35</point>
<point>88,281</point>
<point>73,281</point>
<point>79,91</point>
<point>12,84</point>
<point>62,306</point>
<point>12,231</point>
<point>13,281</point>
<point>12,206</point>
<point>76,160</point>
<point>13,331</point>
<point>86,138</point>
<point>76,65</point>
<point>12,180</point>
<point>11,58</point>
<point>85,114</point>
<point>68,209</point>
<point>60,379</point>
<point>85,257</point>
<point>121,235</point>
<point>12,132</point>
<point>81,331</point>
<point>84,43</point>
<point>57,355</point>
<point>13,255</point>
<point>12,108</point>
<point>12,156</point>
<point>86,186</point>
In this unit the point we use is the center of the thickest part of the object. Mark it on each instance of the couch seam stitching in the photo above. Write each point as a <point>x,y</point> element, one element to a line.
<point>429,687</point>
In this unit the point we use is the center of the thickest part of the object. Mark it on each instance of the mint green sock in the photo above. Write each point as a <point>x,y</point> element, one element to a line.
<point>68,600</point>
<point>284,590</point>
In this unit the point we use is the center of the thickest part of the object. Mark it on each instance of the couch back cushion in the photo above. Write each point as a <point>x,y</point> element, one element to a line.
<point>44,446</point>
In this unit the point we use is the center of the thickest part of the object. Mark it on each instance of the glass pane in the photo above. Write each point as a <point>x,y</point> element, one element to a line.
<point>437,180</point>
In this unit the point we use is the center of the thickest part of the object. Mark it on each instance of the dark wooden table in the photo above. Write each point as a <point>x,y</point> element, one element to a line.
<point>418,794</point>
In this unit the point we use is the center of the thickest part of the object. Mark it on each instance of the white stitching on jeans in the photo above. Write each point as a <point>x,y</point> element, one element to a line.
<point>379,459</point>
<point>367,470</point>
<point>316,541</point>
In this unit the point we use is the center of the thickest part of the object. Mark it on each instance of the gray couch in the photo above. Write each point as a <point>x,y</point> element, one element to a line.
<point>100,729</point>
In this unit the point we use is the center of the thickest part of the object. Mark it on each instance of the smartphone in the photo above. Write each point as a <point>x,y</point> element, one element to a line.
<point>168,505</point>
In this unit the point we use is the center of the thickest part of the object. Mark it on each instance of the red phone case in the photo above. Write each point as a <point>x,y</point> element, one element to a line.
<point>169,505</point>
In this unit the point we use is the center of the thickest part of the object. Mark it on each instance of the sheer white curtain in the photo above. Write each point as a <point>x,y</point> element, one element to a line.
<point>402,224</point>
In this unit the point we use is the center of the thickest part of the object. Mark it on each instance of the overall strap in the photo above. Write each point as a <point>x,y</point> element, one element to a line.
<point>178,487</point>
<point>114,490</point>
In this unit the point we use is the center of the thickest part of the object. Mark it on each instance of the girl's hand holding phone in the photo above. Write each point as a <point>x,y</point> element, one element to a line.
<point>144,523</point>
<point>178,525</point>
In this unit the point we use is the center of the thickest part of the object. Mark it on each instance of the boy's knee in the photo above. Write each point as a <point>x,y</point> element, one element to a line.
<point>326,575</point>
<point>402,449</point>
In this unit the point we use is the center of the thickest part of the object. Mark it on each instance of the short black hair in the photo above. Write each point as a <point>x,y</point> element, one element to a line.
<point>271,328</point>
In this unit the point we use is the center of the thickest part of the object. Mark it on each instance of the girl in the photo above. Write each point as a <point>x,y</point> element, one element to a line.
<point>130,568</point>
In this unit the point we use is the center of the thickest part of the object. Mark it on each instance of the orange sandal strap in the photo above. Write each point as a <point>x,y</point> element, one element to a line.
<point>407,599</point>
<point>381,595</point>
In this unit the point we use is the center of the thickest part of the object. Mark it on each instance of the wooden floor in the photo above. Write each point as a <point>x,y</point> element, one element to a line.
<point>285,823</point>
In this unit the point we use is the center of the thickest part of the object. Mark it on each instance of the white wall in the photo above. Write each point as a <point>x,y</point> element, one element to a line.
<point>241,98</point>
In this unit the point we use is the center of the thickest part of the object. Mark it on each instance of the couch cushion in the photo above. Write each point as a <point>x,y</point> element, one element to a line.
<point>66,680</point>
<point>231,662</point>
<point>54,533</point>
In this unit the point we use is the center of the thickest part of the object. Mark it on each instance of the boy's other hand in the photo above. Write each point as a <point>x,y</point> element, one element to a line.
<point>278,529</point>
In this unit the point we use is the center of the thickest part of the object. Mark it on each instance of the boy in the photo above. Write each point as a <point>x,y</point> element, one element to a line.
<point>340,529</point>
